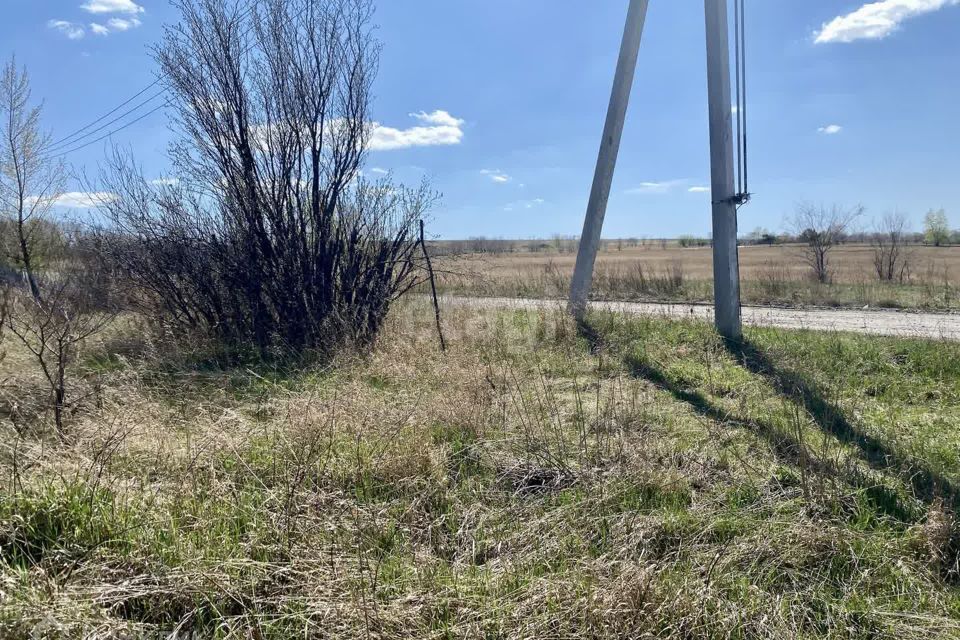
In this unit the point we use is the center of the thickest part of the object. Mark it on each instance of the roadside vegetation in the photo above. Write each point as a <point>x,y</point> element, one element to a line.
<point>635,477</point>
<point>220,416</point>
<point>882,272</point>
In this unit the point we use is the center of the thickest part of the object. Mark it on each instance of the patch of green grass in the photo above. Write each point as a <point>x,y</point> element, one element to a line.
<point>60,523</point>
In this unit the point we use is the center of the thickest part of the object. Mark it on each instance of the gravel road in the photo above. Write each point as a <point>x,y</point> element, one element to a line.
<point>941,326</point>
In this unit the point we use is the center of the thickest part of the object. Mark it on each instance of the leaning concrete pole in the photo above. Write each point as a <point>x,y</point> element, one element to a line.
<point>607,160</point>
<point>726,264</point>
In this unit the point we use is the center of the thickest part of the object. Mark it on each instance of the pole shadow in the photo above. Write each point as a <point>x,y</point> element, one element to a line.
<point>927,484</point>
<point>786,448</point>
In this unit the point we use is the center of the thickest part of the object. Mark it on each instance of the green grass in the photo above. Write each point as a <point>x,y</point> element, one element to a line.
<point>635,478</point>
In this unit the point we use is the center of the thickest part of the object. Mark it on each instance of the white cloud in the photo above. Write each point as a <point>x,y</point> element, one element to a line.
<point>71,30</point>
<point>698,189</point>
<point>525,204</point>
<point>112,6</point>
<point>441,129</point>
<point>830,129</point>
<point>876,20</point>
<point>381,138</point>
<point>114,24</point>
<point>658,188</point>
<point>496,175</point>
<point>382,172</point>
<point>84,200</point>
<point>165,182</point>
<point>78,199</point>
<point>437,118</point>
<point>123,24</point>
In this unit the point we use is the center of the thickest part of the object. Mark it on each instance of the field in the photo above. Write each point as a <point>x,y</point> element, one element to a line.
<point>666,272</point>
<point>628,478</point>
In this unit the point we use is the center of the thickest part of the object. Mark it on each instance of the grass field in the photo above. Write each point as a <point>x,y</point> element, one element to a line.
<point>770,274</point>
<point>629,478</point>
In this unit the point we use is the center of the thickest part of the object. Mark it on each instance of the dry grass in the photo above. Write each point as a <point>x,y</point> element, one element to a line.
<point>771,275</point>
<point>635,479</point>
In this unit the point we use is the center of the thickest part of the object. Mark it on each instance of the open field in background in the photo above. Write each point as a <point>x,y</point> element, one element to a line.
<point>775,275</point>
<point>635,479</point>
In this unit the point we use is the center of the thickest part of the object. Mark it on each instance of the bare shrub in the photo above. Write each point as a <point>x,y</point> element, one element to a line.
<point>937,284</point>
<point>639,280</point>
<point>891,259</point>
<point>269,236</point>
<point>774,281</point>
<point>4,311</point>
<point>53,326</point>
<point>54,312</point>
<point>667,282</point>
<point>821,229</point>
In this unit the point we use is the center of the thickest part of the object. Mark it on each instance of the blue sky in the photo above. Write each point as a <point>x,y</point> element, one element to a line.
<point>501,103</point>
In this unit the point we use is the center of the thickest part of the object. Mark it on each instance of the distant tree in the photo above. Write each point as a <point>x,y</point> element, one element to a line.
<point>754,236</point>
<point>890,258</point>
<point>820,229</point>
<point>687,241</point>
<point>936,228</point>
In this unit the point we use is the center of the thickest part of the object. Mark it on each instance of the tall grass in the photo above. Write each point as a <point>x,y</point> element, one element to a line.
<point>627,478</point>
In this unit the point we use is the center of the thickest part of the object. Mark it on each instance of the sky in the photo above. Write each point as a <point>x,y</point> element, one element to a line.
<point>501,103</point>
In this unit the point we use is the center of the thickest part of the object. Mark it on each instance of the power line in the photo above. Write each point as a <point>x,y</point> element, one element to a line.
<point>57,146</point>
<point>75,137</point>
<point>743,61</point>
<point>740,48</point>
<point>246,14</point>
<point>65,139</point>
<point>110,133</point>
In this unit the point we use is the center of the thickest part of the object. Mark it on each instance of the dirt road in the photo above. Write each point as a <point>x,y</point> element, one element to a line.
<point>882,322</point>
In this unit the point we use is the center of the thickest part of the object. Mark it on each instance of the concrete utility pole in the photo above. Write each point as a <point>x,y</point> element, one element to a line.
<point>607,160</point>
<point>726,263</point>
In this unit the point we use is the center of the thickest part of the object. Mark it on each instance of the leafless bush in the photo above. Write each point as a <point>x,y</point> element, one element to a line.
<point>4,311</point>
<point>821,229</point>
<point>774,281</point>
<point>891,259</point>
<point>643,281</point>
<point>56,310</point>
<point>268,236</point>
<point>52,328</point>
<point>937,284</point>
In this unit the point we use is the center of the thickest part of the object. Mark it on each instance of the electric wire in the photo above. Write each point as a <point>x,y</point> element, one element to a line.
<point>110,133</point>
<point>740,49</point>
<point>69,138</point>
<point>739,105</point>
<point>54,148</point>
<point>743,74</point>
<point>76,141</point>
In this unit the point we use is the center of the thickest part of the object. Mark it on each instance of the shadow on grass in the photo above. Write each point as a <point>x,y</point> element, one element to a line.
<point>928,485</point>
